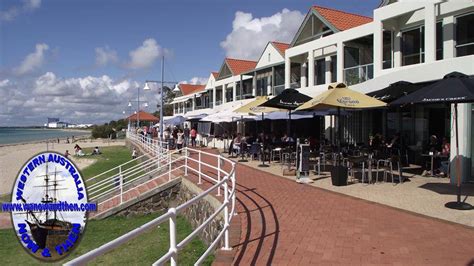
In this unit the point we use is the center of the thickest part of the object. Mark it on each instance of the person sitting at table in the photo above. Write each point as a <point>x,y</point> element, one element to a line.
<point>445,149</point>
<point>237,143</point>
<point>287,139</point>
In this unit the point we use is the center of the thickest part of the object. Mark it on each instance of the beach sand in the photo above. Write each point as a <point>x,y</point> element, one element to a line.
<point>12,157</point>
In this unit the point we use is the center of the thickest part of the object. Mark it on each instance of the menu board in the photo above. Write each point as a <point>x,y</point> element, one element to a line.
<point>304,157</point>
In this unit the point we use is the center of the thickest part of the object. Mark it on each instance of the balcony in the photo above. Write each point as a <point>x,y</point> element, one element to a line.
<point>358,74</point>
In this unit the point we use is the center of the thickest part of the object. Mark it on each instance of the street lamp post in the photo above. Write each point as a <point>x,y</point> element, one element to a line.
<point>160,92</point>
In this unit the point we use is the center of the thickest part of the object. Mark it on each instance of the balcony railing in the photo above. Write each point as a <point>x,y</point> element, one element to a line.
<point>358,74</point>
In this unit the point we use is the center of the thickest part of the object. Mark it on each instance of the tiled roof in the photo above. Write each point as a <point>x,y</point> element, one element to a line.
<point>187,89</point>
<point>238,66</point>
<point>281,47</point>
<point>215,74</point>
<point>143,116</point>
<point>340,19</point>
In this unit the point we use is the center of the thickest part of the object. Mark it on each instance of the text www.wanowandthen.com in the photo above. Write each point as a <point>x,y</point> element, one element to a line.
<point>57,206</point>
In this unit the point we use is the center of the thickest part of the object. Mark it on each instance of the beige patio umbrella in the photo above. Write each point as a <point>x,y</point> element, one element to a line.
<point>253,108</point>
<point>340,96</point>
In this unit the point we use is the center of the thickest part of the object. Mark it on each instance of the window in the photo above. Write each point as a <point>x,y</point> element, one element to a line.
<point>320,68</point>
<point>269,57</point>
<point>334,68</point>
<point>439,40</point>
<point>413,46</point>
<point>351,57</point>
<point>387,49</point>
<point>465,35</point>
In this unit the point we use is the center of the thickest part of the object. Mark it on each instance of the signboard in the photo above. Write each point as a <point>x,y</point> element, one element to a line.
<point>304,157</point>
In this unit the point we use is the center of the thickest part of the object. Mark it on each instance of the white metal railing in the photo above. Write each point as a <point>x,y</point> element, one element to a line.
<point>358,74</point>
<point>187,159</point>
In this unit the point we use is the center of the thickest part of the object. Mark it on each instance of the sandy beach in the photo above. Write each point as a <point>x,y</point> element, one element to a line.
<point>12,157</point>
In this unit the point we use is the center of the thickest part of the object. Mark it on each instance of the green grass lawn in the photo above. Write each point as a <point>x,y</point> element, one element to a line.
<point>143,250</point>
<point>111,157</point>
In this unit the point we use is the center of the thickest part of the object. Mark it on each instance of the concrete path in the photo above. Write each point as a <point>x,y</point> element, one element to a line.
<point>285,223</point>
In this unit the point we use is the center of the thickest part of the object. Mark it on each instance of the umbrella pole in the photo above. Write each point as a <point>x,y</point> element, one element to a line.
<point>458,162</point>
<point>458,205</point>
<point>263,145</point>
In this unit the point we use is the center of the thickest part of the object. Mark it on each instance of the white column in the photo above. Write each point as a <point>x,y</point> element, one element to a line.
<point>254,84</point>
<point>214,97</point>
<point>311,68</point>
<point>194,103</point>
<point>448,37</point>
<point>234,91</point>
<point>340,62</point>
<point>224,93</point>
<point>303,75</point>
<point>328,70</point>
<point>397,48</point>
<point>269,86</point>
<point>464,122</point>
<point>378,47</point>
<point>287,72</point>
<point>430,32</point>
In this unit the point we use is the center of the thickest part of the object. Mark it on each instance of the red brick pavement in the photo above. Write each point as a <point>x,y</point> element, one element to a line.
<point>285,223</point>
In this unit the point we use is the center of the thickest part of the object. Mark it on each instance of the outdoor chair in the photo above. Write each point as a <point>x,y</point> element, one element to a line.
<point>276,153</point>
<point>254,151</point>
<point>357,164</point>
<point>387,167</point>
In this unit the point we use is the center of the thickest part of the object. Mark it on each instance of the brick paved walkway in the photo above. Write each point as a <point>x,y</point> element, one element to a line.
<point>285,223</point>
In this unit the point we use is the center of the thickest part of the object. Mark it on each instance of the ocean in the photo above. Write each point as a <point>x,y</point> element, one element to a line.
<point>20,135</point>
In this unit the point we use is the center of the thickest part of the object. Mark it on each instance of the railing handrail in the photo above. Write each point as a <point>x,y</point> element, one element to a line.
<point>221,182</point>
<point>359,66</point>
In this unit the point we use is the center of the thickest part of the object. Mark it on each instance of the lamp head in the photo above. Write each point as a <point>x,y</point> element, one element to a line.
<point>146,104</point>
<point>176,88</point>
<point>129,104</point>
<point>146,88</point>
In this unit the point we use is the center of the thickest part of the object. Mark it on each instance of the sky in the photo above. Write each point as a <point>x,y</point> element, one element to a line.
<point>83,60</point>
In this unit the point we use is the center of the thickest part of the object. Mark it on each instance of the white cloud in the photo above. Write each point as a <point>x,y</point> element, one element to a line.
<point>14,11</point>
<point>145,55</point>
<point>32,61</point>
<point>198,80</point>
<point>250,35</point>
<point>86,99</point>
<point>105,55</point>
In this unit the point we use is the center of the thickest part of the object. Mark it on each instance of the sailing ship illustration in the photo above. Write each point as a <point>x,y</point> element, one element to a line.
<point>48,228</point>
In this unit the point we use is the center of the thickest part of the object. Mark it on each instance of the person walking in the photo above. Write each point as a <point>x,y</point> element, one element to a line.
<point>179,140</point>
<point>193,134</point>
<point>186,135</point>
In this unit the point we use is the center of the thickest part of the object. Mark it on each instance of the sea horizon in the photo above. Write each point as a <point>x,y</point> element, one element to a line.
<point>21,135</point>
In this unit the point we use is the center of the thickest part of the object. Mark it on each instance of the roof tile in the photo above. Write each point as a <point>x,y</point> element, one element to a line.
<point>187,89</point>
<point>238,66</point>
<point>340,19</point>
<point>281,47</point>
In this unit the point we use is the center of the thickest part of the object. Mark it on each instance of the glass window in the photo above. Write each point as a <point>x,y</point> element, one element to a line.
<point>439,40</point>
<point>413,46</point>
<point>387,49</point>
<point>465,35</point>
<point>351,57</point>
<point>333,68</point>
<point>320,66</point>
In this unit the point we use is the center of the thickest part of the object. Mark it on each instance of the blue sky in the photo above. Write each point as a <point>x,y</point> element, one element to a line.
<point>67,37</point>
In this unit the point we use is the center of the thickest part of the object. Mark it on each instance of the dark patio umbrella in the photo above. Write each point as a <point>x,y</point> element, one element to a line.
<point>395,91</point>
<point>453,88</point>
<point>289,99</point>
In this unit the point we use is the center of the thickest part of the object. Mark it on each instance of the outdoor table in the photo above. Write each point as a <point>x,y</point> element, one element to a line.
<point>433,155</point>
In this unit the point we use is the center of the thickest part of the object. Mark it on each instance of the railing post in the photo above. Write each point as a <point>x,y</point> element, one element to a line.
<point>199,168</point>
<point>219,174</point>
<point>121,184</point>
<point>173,249</point>
<point>226,217</point>
<point>169,169</point>
<point>186,161</point>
